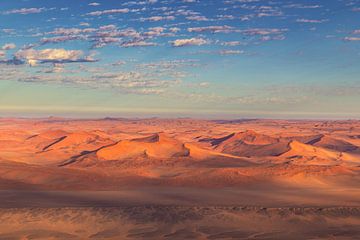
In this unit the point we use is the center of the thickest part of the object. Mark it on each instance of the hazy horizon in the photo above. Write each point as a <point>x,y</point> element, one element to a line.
<point>179,115</point>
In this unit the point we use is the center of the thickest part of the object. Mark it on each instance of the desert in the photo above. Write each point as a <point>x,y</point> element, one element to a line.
<point>157,178</point>
<point>179,119</point>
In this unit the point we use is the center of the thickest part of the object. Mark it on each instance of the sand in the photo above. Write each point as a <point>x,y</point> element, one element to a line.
<point>179,179</point>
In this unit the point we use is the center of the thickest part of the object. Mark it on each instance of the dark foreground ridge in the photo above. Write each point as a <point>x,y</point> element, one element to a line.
<point>180,222</point>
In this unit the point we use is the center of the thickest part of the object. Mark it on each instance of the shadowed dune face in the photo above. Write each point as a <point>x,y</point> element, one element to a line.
<point>250,144</point>
<point>328,142</point>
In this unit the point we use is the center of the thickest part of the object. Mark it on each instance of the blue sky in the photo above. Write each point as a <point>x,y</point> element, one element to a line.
<point>219,59</point>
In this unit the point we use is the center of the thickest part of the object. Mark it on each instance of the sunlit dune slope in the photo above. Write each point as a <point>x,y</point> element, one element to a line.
<point>155,146</point>
<point>328,142</point>
<point>301,153</point>
<point>250,144</point>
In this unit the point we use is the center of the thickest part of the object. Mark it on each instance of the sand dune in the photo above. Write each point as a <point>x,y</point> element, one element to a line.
<point>325,141</point>
<point>250,144</point>
<point>307,154</point>
<point>247,137</point>
<point>59,163</point>
<point>155,146</point>
<point>106,149</point>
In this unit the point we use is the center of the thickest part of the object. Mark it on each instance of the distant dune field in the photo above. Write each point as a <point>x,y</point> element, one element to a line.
<point>179,179</point>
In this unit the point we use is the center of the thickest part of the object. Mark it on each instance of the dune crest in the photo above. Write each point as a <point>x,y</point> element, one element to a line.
<point>251,144</point>
<point>154,146</point>
<point>312,155</point>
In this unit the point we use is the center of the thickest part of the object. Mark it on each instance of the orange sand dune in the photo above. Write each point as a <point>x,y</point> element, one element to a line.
<point>271,182</point>
<point>250,144</point>
<point>112,154</point>
<point>325,141</point>
<point>307,154</point>
<point>156,146</point>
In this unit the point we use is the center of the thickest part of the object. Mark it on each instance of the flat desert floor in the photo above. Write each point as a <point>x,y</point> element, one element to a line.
<point>179,179</point>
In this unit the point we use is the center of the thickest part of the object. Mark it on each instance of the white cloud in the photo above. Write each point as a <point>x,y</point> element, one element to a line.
<point>304,20</point>
<point>197,18</point>
<point>8,46</point>
<point>231,52</point>
<point>263,31</point>
<point>189,41</point>
<point>94,4</point>
<point>110,11</point>
<point>157,18</point>
<point>174,29</point>
<point>33,57</point>
<point>137,44</point>
<point>214,29</point>
<point>232,43</point>
<point>352,39</point>
<point>24,11</point>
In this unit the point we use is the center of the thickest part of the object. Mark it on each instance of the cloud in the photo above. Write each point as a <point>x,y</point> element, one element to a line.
<point>24,11</point>
<point>170,65</point>
<point>61,39</point>
<point>13,61</point>
<point>225,17</point>
<point>231,52</point>
<point>103,41</point>
<point>132,82</point>
<point>71,31</point>
<point>352,39</point>
<point>189,41</point>
<point>140,2</point>
<point>197,18</point>
<point>136,43</point>
<point>94,4</point>
<point>8,46</point>
<point>155,32</point>
<point>270,38</point>
<point>84,24</point>
<point>232,43</point>
<point>109,34</point>
<point>224,52</point>
<point>110,11</point>
<point>157,18</point>
<point>301,6</point>
<point>263,31</point>
<point>213,29</point>
<point>119,63</point>
<point>304,20</point>
<point>174,29</point>
<point>33,57</point>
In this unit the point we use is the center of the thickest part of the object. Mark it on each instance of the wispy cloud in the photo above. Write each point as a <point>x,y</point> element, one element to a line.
<point>304,20</point>
<point>352,39</point>
<point>189,41</point>
<point>24,11</point>
<point>109,11</point>
<point>8,46</point>
<point>213,29</point>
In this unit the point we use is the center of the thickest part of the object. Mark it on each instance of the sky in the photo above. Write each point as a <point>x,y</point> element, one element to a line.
<point>184,58</point>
